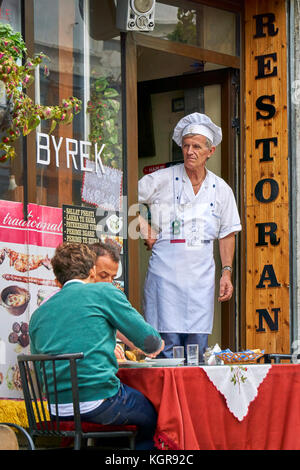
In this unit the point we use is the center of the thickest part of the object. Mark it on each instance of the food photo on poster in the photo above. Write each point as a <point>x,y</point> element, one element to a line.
<point>26,279</point>
<point>26,275</point>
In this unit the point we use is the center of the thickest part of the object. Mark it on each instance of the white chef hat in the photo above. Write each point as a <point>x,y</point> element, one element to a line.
<point>197,123</point>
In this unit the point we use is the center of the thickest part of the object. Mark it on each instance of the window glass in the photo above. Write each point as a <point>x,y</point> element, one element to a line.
<point>72,170</point>
<point>11,171</point>
<point>197,25</point>
<point>79,163</point>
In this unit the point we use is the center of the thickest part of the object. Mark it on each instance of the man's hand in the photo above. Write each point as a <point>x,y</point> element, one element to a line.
<point>147,233</point>
<point>149,242</point>
<point>119,352</point>
<point>227,246</point>
<point>153,355</point>
<point>226,287</point>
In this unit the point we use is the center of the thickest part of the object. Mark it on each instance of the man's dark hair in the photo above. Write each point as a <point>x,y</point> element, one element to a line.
<point>72,261</point>
<point>110,249</point>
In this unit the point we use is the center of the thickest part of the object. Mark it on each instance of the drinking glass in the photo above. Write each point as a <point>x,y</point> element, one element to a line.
<point>178,352</point>
<point>192,354</point>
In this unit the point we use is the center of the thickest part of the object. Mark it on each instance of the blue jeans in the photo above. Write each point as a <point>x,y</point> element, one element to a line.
<point>128,406</point>
<point>183,339</point>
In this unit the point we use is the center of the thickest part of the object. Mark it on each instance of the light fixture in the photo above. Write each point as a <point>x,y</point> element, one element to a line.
<point>135,15</point>
<point>142,6</point>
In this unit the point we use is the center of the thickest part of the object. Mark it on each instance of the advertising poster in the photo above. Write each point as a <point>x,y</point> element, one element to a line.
<point>111,227</point>
<point>79,224</point>
<point>26,275</point>
<point>26,279</point>
<point>90,225</point>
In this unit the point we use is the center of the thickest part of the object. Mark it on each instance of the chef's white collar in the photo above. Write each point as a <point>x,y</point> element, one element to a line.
<point>186,178</point>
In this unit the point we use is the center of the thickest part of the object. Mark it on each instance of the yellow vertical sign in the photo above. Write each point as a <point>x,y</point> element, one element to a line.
<point>267,199</point>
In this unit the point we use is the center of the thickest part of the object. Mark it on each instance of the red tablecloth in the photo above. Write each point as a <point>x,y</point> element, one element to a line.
<point>193,415</point>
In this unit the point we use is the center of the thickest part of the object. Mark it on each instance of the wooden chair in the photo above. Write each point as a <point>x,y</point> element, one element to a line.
<point>36,372</point>
<point>8,437</point>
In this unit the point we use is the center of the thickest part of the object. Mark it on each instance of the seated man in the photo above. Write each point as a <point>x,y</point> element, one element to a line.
<point>84,317</point>
<point>107,265</point>
<point>107,260</point>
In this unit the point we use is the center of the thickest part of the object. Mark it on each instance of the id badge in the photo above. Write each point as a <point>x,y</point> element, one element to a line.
<point>176,236</point>
<point>176,227</point>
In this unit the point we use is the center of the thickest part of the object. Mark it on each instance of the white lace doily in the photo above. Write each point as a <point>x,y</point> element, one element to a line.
<point>238,383</point>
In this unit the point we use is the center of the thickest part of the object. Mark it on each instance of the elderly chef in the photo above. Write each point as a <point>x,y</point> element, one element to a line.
<point>190,207</point>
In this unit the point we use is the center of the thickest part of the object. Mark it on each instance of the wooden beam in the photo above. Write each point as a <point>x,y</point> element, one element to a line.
<point>241,248</point>
<point>231,5</point>
<point>267,286</point>
<point>228,166</point>
<point>132,165</point>
<point>30,139</point>
<point>65,67</point>
<point>194,52</point>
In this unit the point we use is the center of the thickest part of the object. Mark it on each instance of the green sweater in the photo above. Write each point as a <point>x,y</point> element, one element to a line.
<point>85,318</point>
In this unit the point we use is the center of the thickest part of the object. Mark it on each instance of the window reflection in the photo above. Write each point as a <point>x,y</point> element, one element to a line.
<point>197,25</point>
<point>11,171</point>
<point>84,65</point>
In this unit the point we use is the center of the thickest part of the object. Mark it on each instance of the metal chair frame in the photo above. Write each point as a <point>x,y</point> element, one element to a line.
<point>268,358</point>
<point>37,401</point>
<point>23,431</point>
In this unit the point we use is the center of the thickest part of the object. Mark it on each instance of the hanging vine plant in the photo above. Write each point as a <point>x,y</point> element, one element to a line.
<point>104,107</point>
<point>20,115</point>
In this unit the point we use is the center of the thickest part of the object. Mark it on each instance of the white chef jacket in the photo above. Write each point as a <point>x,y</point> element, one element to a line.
<point>180,282</point>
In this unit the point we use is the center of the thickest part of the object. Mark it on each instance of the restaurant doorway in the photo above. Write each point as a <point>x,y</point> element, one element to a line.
<point>161,103</point>
<point>165,80</point>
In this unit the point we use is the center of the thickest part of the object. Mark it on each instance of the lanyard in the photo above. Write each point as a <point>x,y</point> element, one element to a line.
<point>177,223</point>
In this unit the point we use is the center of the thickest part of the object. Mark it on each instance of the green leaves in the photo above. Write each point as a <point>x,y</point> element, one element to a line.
<point>238,376</point>
<point>110,93</point>
<point>30,124</point>
<point>15,77</point>
<point>115,105</point>
<point>53,126</point>
<point>104,107</point>
<point>100,84</point>
<point>11,41</point>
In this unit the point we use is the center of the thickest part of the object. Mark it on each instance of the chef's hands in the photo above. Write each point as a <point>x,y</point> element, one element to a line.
<point>149,243</point>
<point>151,238</point>
<point>226,246</point>
<point>147,233</point>
<point>226,287</point>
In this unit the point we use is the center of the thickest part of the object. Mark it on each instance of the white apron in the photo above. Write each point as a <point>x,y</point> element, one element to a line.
<point>180,282</point>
